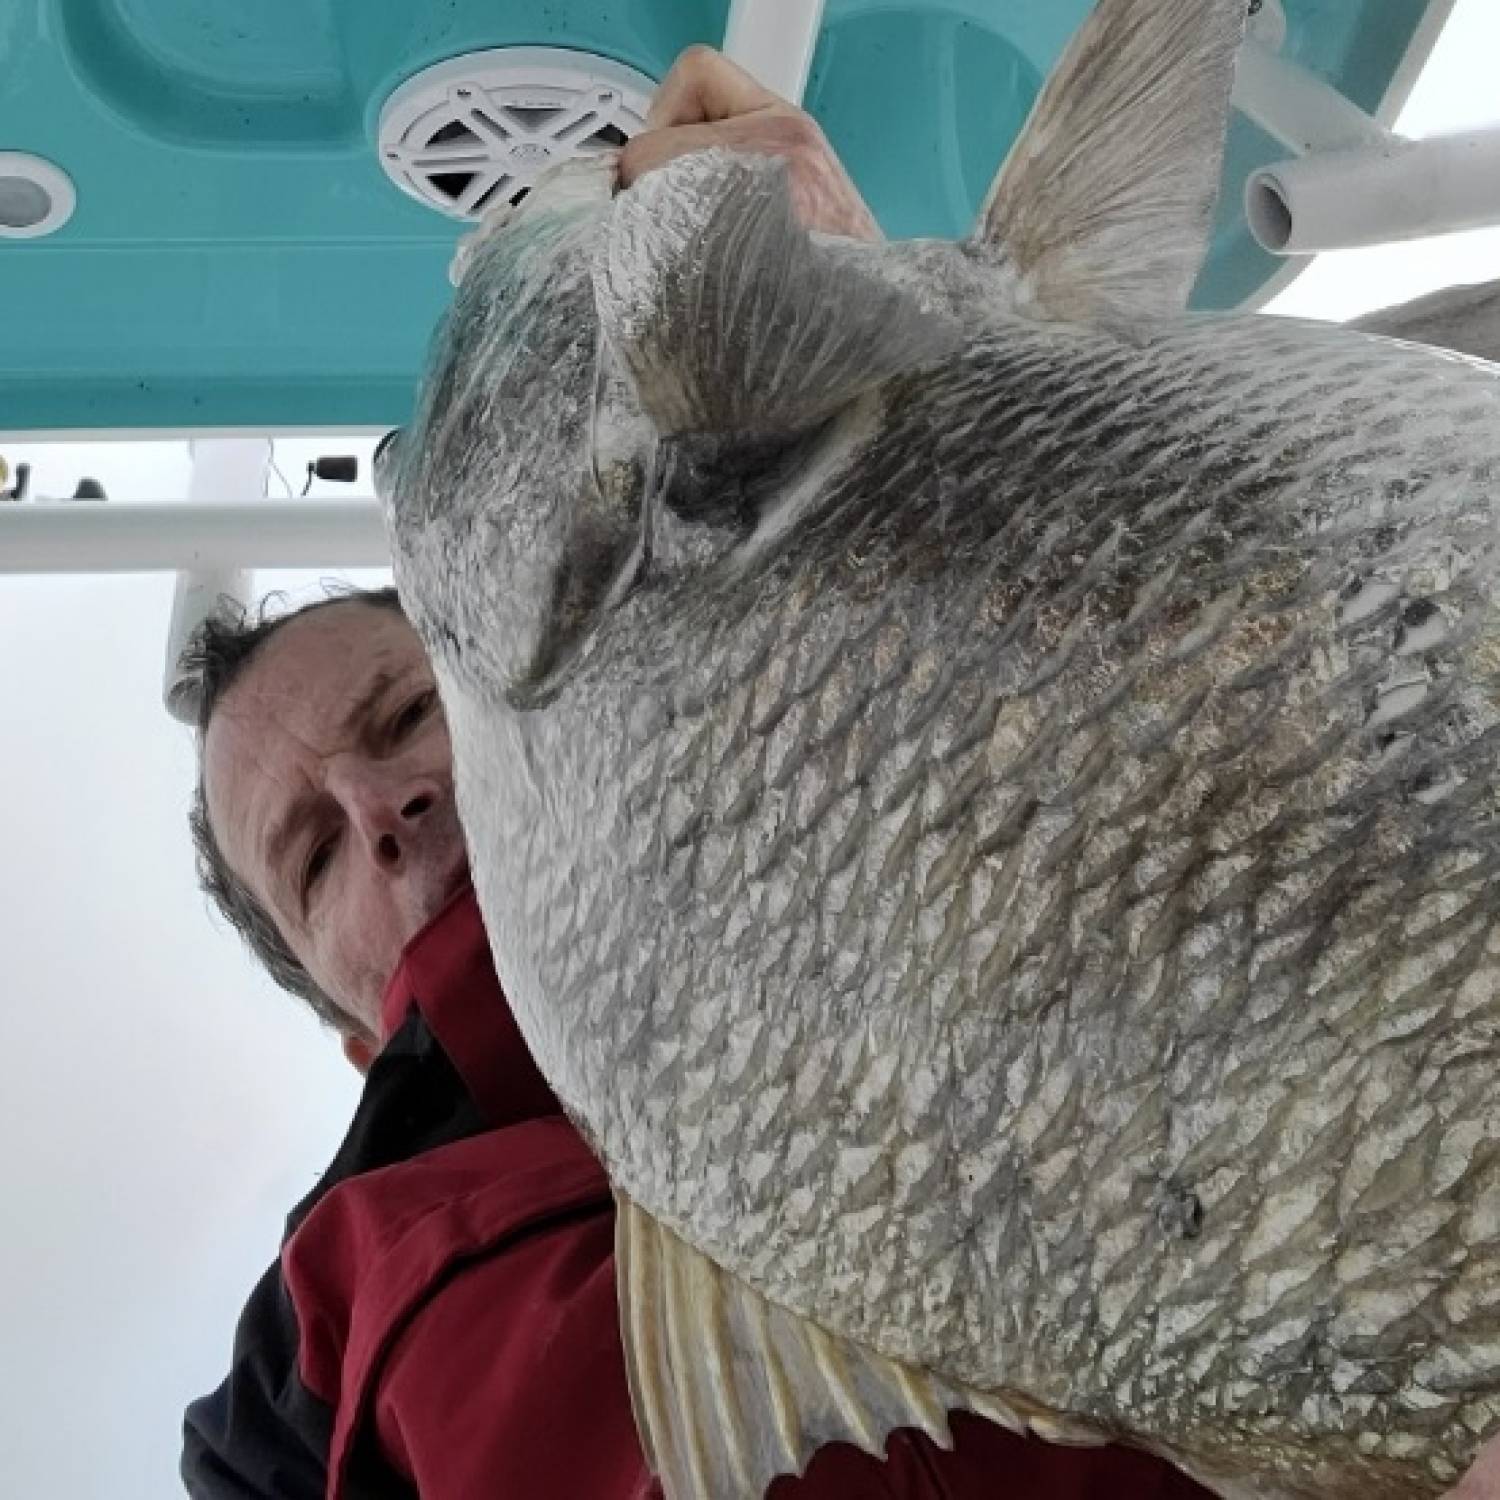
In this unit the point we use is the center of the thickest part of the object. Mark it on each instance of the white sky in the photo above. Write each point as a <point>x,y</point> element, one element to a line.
<point>165,1105</point>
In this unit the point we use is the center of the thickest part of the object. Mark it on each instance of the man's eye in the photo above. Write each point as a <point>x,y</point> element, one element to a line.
<point>413,714</point>
<point>322,857</point>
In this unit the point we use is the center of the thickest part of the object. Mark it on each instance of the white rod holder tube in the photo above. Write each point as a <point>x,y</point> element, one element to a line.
<point>774,41</point>
<point>1378,194</point>
<point>151,537</point>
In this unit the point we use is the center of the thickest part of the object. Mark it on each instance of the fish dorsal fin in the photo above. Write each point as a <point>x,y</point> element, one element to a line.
<point>1105,205</point>
<point>731,317</point>
<point>731,1391</point>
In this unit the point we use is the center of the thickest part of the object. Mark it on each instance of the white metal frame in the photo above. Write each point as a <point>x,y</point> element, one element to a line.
<point>1376,191</point>
<point>119,536</point>
<point>1296,107</point>
<point>174,434</point>
<point>1277,99</point>
<point>774,41</point>
<point>1353,181</point>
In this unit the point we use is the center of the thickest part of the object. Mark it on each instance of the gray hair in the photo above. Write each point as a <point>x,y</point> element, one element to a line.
<point>218,653</point>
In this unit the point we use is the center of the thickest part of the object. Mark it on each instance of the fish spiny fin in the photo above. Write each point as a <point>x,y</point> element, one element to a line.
<point>730,317</point>
<point>1106,203</point>
<point>731,1391</point>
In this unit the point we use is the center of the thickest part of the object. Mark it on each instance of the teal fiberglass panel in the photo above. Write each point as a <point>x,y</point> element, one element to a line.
<point>207,73</point>
<point>238,258</point>
<point>921,106</point>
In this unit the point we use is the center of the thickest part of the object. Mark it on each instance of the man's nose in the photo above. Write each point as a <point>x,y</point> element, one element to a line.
<point>386,807</point>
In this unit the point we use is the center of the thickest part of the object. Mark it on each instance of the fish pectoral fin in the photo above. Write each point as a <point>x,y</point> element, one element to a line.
<point>731,318</point>
<point>1106,203</point>
<point>730,1391</point>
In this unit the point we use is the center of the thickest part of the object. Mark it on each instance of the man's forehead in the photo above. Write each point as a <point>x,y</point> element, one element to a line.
<point>285,707</point>
<point>317,663</point>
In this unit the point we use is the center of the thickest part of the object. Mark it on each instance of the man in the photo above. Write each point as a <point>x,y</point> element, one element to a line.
<point>442,1319</point>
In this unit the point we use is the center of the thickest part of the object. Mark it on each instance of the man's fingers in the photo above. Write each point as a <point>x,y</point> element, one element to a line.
<point>784,133</point>
<point>706,101</point>
<point>703,86</point>
<point>644,153</point>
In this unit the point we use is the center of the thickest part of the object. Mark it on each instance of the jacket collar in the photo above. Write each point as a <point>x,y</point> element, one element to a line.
<point>447,973</point>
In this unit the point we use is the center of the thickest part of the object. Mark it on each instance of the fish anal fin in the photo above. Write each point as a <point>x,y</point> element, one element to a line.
<point>1105,205</point>
<point>732,318</point>
<point>731,1391</point>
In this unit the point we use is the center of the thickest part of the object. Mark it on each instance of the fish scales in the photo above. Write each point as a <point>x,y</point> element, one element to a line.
<point>1245,1071</point>
<point>1017,887</point>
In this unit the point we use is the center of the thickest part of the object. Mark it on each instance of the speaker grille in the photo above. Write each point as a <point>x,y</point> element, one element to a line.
<point>475,131</point>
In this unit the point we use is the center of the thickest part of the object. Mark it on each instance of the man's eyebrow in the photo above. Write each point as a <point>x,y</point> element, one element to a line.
<point>367,701</point>
<point>284,829</point>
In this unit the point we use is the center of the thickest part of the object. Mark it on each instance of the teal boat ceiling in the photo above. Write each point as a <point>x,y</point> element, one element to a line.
<point>237,257</point>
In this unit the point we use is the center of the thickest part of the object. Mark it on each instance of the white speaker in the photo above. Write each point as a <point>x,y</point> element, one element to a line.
<point>470,133</point>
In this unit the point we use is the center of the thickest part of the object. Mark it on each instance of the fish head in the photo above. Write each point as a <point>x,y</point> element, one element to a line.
<point>624,381</point>
<point>596,333</point>
<point>513,500</point>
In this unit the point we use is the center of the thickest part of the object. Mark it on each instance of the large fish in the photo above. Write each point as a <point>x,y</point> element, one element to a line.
<point>982,788</point>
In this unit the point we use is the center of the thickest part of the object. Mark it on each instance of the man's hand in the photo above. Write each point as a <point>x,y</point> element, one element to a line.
<point>1482,1482</point>
<point>707,101</point>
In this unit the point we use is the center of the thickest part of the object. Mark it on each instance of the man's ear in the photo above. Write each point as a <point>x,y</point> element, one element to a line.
<point>360,1052</point>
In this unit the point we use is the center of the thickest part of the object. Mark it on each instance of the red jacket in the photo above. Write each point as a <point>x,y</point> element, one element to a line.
<point>442,1321</point>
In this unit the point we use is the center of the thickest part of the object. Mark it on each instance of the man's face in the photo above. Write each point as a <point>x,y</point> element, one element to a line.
<point>329,783</point>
